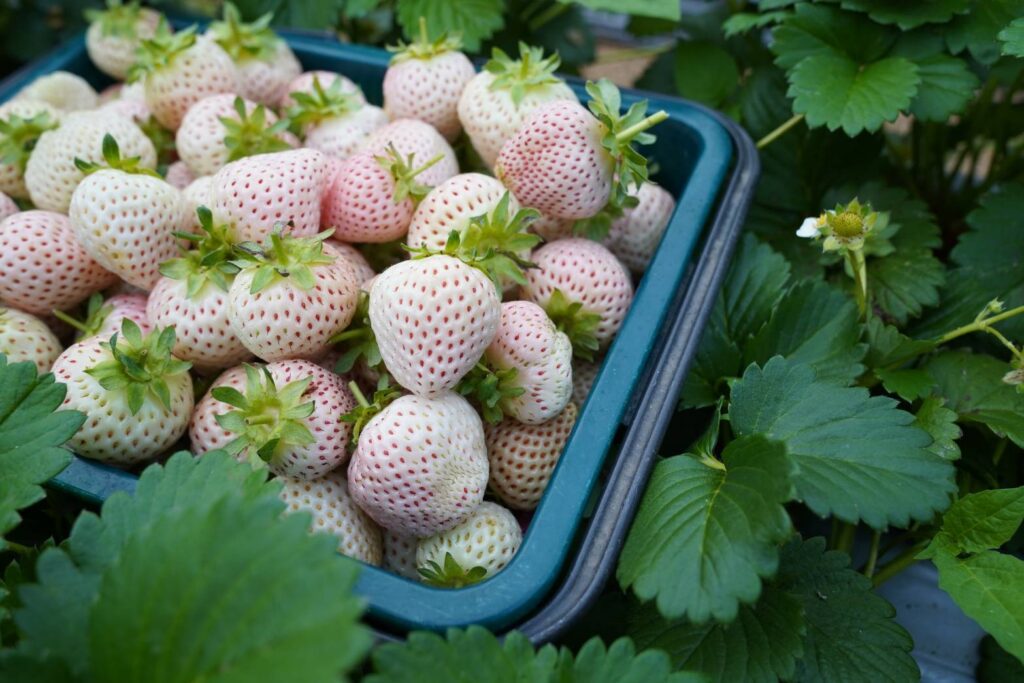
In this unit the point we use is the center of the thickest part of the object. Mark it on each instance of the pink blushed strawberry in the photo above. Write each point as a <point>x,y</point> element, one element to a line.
<point>419,140</point>
<point>24,337</point>
<point>635,235</point>
<point>478,548</point>
<point>114,35</point>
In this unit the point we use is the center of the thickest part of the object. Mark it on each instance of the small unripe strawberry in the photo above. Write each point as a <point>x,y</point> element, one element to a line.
<point>334,512</point>
<point>476,549</point>
<point>24,337</point>
<point>115,34</point>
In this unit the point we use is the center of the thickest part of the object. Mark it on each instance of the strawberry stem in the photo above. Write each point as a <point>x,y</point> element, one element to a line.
<point>358,394</point>
<point>631,132</point>
<point>65,318</point>
<point>424,38</point>
<point>433,161</point>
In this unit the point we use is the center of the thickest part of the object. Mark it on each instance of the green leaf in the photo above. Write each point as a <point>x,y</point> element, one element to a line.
<point>742,22</point>
<point>822,30</point>
<point>996,665</point>
<point>940,422</point>
<point>973,386</point>
<point>888,346</point>
<point>813,324</point>
<point>707,532</point>
<point>851,634</point>
<point>982,521</point>
<point>619,663</point>
<point>977,31</point>
<point>858,457</point>
<point>906,281</point>
<point>947,86</point>
<point>705,72</point>
<point>474,20</point>
<point>663,9</point>
<point>762,645</point>
<point>835,91</point>
<point>1012,38</point>
<point>31,433</point>
<point>909,384</point>
<point>908,15</point>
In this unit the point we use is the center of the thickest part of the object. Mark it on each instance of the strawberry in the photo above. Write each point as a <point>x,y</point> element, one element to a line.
<point>222,128</point>
<point>522,456</point>
<point>420,465</point>
<point>451,205</point>
<point>332,118</point>
<point>136,396</point>
<point>105,317</point>
<point>528,367</point>
<point>551,229</point>
<point>425,80</point>
<point>198,193</point>
<point>115,34</point>
<point>372,198</point>
<point>334,512</point>
<point>24,337</point>
<point>416,139</point>
<point>284,414</point>
<point>635,235</point>
<point>476,549</point>
<point>52,175</point>
<point>290,297</point>
<point>306,83</point>
<point>567,163</point>
<point>583,288</point>
<point>265,63</point>
<point>130,108</point>
<point>256,193</point>
<point>8,207</point>
<point>584,372</point>
<point>22,122</point>
<point>179,175</point>
<point>400,554</point>
<point>43,266</point>
<point>126,216</point>
<point>192,296</point>
<point>496,102</point>
<point>65,91</point>
<point>345,251</point>
<point>180,69</point>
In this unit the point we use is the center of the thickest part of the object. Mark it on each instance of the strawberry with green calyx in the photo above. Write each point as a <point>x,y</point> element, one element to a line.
<point>115,33</point>
<point>364,410</point>
<point>266,65</point>
<point>290,297</point>
<point>496,102</point>
<point>569,163</point>
<point>283,414</point>
<point>178,70</point>
<point>192,295</point>
<point>136,394</point>
<point>451,205</point>
<point>333,119</point>
<point>414,138</point>
<point>489,388</point>
<point>425,80</point>
<point>476,549</point>
<point>306,81</point>
<point>577,324</point>
<point>126,216</point>
<point>24,337</point>
<point>21,125</point>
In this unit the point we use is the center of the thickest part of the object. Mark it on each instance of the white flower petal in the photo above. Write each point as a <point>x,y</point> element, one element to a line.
<point>810,228</point>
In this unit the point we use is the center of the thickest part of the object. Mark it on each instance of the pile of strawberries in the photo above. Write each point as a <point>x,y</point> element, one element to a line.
<point>260,259</point>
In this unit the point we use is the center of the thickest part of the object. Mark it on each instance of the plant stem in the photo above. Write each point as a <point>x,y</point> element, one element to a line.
<point>979,325</point>
<point>17,548</point>
<point>869,568</point>
<point>998,454</point>
<point>844,537</point>
<point>550,14</point>
<point>424,38</point>
<point>358,394</point>
<point>898,564</point>
<point>779,132</point>
<point>641,126</point>
<point>626,54</point>
<point>858,265</point>
<point>65,318</point>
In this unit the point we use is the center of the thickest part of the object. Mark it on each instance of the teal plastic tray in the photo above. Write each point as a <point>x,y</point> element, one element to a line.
<point>693,153</point>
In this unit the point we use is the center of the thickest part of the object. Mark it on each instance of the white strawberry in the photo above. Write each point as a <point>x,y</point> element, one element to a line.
<point>115,34</point>
<point>400,554</point>
<point>568,163</point>
<point>52,175</point>
<point>334,512</point>
<point>43,266</point>
<point>222,128</point>
<point>419,140</point>
<point>284,414</point>
<point>451,205</point>
<point>306,83</point>
<point>63,90</point>
<point>551,229</point>
<point>179,175</point>
<point>8,207</point>
<point>126,217</point>
<point>476,549</point>
<point>24,337</point>
<point>290,297</point>
<point>425,80</point>
<point>22,122</point>
<point>180,69</point>
<point>332,118</point>
<point>345,251</point>
<point>256,193</point>
<point>584,372</point>
<point>496,102</point>
<point>266,65</point>
<point>198,193</point>
<point>192,296</point>
<point>635,235</point>
<point>522,457</point>
<point>420,465</point>
<point>136,396</point>
<point>583,288</point>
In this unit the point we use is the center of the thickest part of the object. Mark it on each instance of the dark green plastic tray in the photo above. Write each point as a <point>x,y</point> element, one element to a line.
<point>693,154</point>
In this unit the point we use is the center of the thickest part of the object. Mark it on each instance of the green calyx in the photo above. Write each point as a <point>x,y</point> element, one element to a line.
<point>118,19</point>
<point>599,225</point>
<point>160,51</point>
<point>18,137</point>
<point>283,257</point>
<point>358,339</point>
<point>621,132</point>
<point>267,421</point>
<point>249,134</point>
<point>113,160</point>
<point>210,260</point>
<point>96,313</point>
<point>451,575</point>
<point>365,411</point>
<point>578,324</point>
<point>404,173</point>
<point>423,47</point>
<point>322,104</point>
<point>488,388</point>
<point>139,366</point>
<point>245,40</point>
<point>519,76</point>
